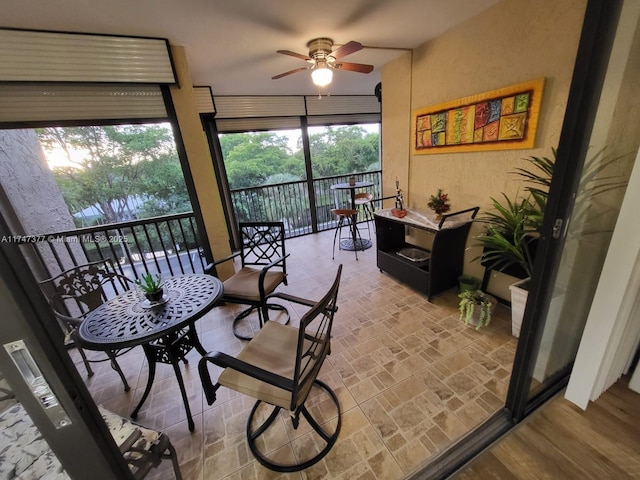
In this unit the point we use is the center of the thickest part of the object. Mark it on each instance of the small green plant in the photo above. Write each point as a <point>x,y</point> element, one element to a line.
<point>469,301</point>
<point>148,283</point>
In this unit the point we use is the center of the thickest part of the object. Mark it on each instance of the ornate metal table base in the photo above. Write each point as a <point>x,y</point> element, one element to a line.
<point>351,245</point>
<point>166,331</point>
<point>170,350</point>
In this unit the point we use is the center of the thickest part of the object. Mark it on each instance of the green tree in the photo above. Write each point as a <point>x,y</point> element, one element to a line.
<point>342,150</point>
<point>251,158</point>
<point>117,163</point>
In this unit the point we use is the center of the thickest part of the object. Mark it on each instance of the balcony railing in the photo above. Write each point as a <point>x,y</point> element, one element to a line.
<point>290,202</point>
<point>168,244</point>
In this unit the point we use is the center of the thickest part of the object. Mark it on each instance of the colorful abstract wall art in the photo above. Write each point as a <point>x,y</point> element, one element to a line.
<point>498,120</point>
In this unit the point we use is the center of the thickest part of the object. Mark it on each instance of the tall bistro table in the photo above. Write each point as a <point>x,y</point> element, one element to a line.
<point>165,330</point>
<point>354,243</point>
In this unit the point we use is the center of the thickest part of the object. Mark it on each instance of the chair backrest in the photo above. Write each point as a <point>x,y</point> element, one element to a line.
<point>262,242</point>
<point>314,337</point>
<point>81,289</point>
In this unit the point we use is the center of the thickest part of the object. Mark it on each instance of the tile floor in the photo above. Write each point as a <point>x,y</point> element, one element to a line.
<point>410,376</point>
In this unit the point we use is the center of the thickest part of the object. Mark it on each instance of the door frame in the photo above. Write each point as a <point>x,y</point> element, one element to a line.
<point>596,40</point>
<point>84,445</point>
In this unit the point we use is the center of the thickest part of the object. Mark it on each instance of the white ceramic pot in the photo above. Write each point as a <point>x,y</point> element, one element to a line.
<point>518,303</point>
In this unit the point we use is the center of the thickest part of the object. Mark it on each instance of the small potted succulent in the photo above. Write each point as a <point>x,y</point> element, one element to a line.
<point>476,308</point>
<point>151,286</point>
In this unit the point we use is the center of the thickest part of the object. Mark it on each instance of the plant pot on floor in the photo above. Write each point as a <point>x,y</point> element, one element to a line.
<point>468,283</point>
<point>519,294</point>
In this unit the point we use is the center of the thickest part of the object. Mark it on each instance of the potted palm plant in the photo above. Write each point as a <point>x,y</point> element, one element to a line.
<point>511,236</point>
<point>476,308</point>
<point>510,239</point>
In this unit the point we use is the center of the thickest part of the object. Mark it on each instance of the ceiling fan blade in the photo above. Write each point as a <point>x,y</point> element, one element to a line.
<point>293,54</point>
<point>346,49</point>
<point>289,73</point>
<point>354,67</point>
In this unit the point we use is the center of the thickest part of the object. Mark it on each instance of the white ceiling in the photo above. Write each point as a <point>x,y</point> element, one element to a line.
<point>231,44</point>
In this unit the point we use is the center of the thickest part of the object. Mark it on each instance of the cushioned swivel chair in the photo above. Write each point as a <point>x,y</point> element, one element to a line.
<point>75,292</point>
<point>263,269</point>
<point>279,367</point>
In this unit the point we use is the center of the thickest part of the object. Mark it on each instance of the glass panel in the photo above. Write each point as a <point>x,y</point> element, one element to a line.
<point>344,149</point>
<point>66,182</point>
<point>252,159</point>
<point>111,174</point>
<point>266,175</point>
<point>25,452</point>
<point>609,160</point>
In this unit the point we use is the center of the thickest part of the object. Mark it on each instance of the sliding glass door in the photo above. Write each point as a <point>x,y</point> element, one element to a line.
<point>595,157</point>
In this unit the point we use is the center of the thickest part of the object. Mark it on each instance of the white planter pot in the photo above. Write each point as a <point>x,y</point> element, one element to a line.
<point>475,316</point>
<point>518,303</point>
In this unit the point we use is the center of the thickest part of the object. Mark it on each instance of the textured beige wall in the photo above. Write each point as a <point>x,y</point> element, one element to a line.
<point>200,163</point>
<point>513,42</point>
<point>396,125</point>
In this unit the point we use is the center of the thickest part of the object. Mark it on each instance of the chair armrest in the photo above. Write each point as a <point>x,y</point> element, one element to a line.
<point>294,299</point>
<point>210,266</point>
<point>264,271</point>
<point>227,361</point>
<point>130,441</point>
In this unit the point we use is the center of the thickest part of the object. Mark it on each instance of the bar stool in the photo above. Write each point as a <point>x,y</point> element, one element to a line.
<point>346,218</point>
<point>363,204</point>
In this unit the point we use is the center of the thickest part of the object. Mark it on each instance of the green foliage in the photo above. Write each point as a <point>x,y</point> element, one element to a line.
<point>508,238</point>
<point>117,163</point>
<point>513,226</point>
<point>342,150</point>
<point>255,159</point>
<point>469,301</point>
<point>251,158</point>
<point>148,283</point>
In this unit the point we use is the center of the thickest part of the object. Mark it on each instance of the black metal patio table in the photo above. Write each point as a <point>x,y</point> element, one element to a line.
<point>165,330</point>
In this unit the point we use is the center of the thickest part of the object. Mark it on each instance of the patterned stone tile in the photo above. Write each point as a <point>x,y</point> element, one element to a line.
<point>410,378</point>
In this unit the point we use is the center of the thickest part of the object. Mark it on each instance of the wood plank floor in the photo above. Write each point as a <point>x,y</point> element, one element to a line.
<point>560,441</point>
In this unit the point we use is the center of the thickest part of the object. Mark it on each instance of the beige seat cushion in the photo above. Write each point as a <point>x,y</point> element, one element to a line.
<point>121,428</point>
<point>272,349</point>
<point>244,284</point>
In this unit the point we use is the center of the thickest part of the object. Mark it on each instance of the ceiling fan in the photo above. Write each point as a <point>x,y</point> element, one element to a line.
<point>323,60</point>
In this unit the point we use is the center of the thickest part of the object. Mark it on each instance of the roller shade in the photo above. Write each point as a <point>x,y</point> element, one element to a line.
<point>259,106</point>
<point>50,103</point>
<point>204,99</point>
<point>227,125</point>
<point>342,104</point>
<point>344,119</point>
<point>247,113</point>
<point>36,56</point>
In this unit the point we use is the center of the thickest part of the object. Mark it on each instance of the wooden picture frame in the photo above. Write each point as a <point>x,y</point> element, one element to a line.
<point>501,119</point>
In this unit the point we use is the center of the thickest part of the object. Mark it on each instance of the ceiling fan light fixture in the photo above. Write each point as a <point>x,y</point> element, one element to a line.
<point>321,76</point>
